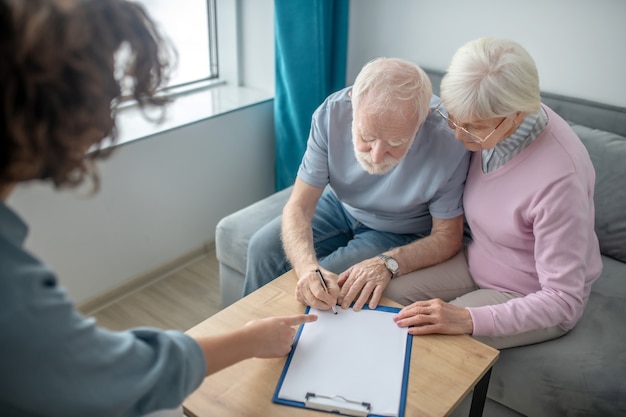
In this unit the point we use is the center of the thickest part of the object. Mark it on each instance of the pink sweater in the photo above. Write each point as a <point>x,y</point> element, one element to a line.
<point>532,223</point>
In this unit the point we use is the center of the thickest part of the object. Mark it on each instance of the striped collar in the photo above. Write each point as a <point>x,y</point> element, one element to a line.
<point>526,133</point>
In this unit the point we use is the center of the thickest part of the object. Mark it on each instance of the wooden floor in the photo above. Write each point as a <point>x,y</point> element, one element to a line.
<point>178,301</point>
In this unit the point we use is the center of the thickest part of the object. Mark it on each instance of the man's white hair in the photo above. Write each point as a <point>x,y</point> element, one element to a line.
<point>392,84</point>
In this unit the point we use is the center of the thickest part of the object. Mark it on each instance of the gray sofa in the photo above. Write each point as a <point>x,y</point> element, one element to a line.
<point>580,374</point>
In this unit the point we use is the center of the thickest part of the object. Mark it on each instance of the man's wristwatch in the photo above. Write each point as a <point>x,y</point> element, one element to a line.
<point>391,264</point>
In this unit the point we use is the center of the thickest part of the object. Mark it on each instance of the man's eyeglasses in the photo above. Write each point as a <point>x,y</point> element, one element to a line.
<point>471,135</point>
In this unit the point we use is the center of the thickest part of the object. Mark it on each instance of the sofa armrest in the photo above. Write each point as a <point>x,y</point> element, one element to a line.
<point>232,236</point>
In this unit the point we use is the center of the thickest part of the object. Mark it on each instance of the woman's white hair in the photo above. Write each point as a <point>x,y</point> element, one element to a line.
<point>489,78</point>
<point>392,84</point>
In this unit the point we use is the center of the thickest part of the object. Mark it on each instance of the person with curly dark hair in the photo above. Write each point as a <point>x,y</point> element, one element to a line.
<point>63,66</point>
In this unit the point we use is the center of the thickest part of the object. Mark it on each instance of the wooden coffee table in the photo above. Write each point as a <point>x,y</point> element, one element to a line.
<point>443,368</point>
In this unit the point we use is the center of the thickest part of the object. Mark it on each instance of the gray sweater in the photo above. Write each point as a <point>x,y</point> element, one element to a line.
<point>54,362</point>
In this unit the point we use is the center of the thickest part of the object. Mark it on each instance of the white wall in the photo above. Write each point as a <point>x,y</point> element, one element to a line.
<point>579,45</point>
<point>257,44</point>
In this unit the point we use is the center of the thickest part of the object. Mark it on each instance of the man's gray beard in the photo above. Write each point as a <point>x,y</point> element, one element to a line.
<point>375,169</point>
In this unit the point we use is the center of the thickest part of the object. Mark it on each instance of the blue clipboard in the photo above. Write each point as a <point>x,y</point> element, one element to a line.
<point>336,403</point>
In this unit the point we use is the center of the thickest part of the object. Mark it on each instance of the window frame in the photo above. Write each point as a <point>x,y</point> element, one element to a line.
<point>202,100</point>
<point>213,77</point>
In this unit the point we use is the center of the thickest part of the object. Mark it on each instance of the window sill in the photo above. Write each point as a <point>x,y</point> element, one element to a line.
<point>187,108</point>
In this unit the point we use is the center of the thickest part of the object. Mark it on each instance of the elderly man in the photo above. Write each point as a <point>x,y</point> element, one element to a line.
<point>378,193</point>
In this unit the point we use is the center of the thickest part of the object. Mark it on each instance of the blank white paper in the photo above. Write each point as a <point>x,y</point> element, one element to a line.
<point>357,355</point>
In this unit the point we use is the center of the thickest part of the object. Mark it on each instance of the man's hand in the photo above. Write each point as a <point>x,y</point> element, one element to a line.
<point>367,278</point>
<point>309,290</point>
<point>435,316</point>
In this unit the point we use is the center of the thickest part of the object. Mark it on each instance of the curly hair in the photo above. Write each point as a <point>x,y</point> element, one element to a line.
<point>61,79</point>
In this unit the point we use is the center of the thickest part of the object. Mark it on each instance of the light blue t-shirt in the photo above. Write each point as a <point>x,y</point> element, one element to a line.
<point>54,362</point>
<point>428,182</point>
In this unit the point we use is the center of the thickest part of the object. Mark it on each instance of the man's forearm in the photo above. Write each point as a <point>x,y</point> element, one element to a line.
<point>297,238</point>
<point>423,253</point>
<point>443,243</point>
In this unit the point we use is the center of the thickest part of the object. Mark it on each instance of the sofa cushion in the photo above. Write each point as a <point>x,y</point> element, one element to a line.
<point>579,374</point>
<point>608,154</point>
<point>234,231</point>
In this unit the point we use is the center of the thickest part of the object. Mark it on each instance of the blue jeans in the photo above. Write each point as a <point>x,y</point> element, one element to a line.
<point>340,241</point>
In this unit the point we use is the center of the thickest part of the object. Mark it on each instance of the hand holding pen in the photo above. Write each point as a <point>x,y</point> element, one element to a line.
<point>321,277</point>
<point>316,290</point>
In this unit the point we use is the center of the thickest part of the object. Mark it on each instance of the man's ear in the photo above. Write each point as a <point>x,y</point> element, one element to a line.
<point>350,94</point>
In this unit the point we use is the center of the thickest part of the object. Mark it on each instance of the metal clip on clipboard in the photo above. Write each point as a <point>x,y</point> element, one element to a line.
<point>337,404</point>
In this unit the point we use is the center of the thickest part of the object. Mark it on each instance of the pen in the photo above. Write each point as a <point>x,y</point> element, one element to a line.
<point>321,277</point>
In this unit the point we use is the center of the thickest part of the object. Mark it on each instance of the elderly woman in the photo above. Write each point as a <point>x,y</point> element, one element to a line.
<point>58,86</point>
<point>526,275</point>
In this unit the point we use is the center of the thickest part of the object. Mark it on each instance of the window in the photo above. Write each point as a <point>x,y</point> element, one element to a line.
<point>200,95</point>
<point>191,27</point>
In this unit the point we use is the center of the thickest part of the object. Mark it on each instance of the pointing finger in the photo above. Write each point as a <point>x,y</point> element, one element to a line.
<point>299,319</point>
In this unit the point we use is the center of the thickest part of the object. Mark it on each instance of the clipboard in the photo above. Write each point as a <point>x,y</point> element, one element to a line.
<point>352,363</point>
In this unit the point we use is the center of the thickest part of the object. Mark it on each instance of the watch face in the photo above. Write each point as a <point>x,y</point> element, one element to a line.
<point>392,264</point>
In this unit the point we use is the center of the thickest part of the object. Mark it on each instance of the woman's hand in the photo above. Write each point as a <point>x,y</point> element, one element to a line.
<point>435,316</point>
<point>264,338</point>
<point>273,336</point>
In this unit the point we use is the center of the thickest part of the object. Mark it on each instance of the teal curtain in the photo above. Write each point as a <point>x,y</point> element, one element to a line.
<point>311,41</point>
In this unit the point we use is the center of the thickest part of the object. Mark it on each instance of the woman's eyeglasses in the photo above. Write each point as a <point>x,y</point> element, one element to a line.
<point>473,136</point>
